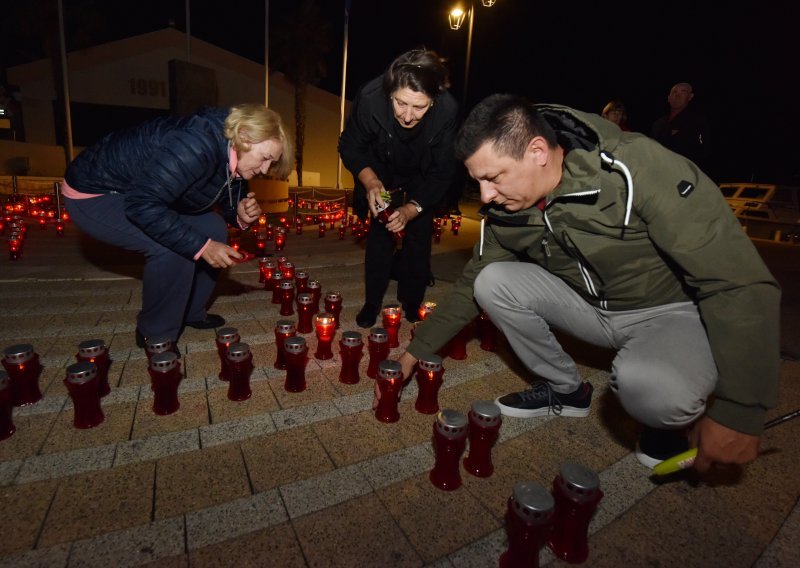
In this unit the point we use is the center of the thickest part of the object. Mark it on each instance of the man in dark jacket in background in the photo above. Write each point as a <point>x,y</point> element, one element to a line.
<point>606,236</point>
<point>156,188</point>
<point>684,130</point>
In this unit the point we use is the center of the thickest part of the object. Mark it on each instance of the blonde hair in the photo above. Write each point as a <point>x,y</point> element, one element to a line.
<point>248,124</point>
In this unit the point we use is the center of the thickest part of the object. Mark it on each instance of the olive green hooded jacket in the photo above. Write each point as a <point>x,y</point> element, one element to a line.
<point>633,225</point>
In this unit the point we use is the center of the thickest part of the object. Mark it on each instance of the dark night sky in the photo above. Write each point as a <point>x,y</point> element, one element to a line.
<point>742,61</point>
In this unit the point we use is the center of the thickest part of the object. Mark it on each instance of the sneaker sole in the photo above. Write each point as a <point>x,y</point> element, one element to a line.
<point>568,411</point>
<point>644,459</point>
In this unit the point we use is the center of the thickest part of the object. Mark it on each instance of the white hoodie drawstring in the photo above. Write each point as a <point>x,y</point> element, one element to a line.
<point>613,162</point>
<point>480,247</point>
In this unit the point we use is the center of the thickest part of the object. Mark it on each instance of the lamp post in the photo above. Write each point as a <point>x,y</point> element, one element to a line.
<point>456,18</point>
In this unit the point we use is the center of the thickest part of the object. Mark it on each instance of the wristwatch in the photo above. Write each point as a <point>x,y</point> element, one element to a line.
<point>416,205</point>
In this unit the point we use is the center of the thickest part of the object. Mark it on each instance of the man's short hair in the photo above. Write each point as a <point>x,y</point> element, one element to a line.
<point>509,122</point>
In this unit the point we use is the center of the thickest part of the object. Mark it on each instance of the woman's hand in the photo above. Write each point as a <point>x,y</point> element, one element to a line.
<point>374,199</point>
<point>219,255</point>
<point>248,209</point>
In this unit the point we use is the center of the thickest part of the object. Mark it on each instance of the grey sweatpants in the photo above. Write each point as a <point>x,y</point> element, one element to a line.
<point>663,371</point>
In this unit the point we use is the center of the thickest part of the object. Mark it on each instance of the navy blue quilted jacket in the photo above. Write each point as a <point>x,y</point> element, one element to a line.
<point>163,167</point>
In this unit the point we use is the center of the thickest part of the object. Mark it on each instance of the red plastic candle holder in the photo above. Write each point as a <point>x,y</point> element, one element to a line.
<point>378,348</point>
<point>315,289</point>
<point>384,212</point>
<point>391,322</point>
<point>21,363</point>
<point>325,326</point>
<point>390,384</point>
<point>284,329</point>
<point>342,232</point>
<point>457,346</point>
<point>429,380</point>
<point>157,344</point>
<point>226,337</point>
<point>449,441</point>
<point>95,351</point>
<point>304,315</point>
<point>165,376</point>
<point>487,332</point>
<point>301,281</point>
<point>426,309</point>
<point>277,279</point>
<point>287,269</point>
<point>287,297</point>
<point>576,491</point>
<point>333,305</point>
<point>265,267</point>
<point>321,230</point>
<point>280,241</point>
<point>484,429</point>
<point>240,367</point>
<point>7,427</point>
<point>81,383</point>
<point>351,350</point>
<point>296,355</point>
<point>269,232</point>
<point>529,521</point>
<point>281,260</point>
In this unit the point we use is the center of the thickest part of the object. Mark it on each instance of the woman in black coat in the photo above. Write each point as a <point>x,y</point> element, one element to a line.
<point>398,143</point>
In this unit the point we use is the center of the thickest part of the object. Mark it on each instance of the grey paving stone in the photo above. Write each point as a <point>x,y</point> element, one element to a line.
<point>513,427</point>
<point>308,414</point>
<point>397,466</point>
<point>50,557</point>
<point>323,491</point>
<point>53,466</point>
<point>8,471</point>
<point>236,430</point>
<point>624,484</point>
<point>116,396</point>
<point>784,549</point>
<point>191,385</point>
<point>131,547</point>
<point>155,447</point>
<point>242,516</point>
<point>481,553</point>
<point>356,402</point>
<point>46,405</point>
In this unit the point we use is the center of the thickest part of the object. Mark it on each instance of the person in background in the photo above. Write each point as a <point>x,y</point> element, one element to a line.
<point>615,112</point>
<point>606,236</point>
<point>684,130</point>
<point>398,143</point>
<point>166,189</point>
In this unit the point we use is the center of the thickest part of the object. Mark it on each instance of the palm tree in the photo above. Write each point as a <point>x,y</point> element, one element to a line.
<point>300,45</point>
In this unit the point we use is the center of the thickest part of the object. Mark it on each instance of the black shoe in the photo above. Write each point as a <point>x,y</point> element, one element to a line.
<point>211,321</point>
<point>412,314</point>
<point>656,445</point>
<point>367,316</point>
<point>541,400</point>
<point>431,280</point>
<point>139,339</point>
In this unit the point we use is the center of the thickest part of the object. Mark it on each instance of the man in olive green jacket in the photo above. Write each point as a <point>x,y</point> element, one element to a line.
<point>610,237</point>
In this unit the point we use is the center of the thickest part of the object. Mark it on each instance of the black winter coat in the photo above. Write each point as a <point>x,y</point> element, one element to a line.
<point>164,167</point>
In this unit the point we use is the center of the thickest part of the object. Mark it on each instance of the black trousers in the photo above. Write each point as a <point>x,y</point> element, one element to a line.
<point>411,265</point>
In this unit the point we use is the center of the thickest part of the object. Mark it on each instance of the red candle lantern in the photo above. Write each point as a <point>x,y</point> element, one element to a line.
<point>281,260</point>
<point>280,240</point>
<point>165,376</point>
<point>390,383</point>
<point>266,267</point>
<point>240,367</point>
<point>457,346</point>
<point>287,268</point>
<point>287,297</point>
<point>351,349</point>
<point>529,520</point>
<point>301,281</point>
<point>333,305</point>
<point>284,329</point>
<point>277,279</point>
<point>378,348</point>
<point>391,322</point>
<point>342,231</point>
<point>155,345</point>
<point>429,381</point>
<point>487,333</point>
<point>60,228</point>
<point>455,225</point>
<point>484,429</point>
<point>14,246</point>
<point>7,427</point>
<point>270,232</point>
<point>226,337</point>
<point>576,491</point>
<point>304,307</point>
<point>449,441</point>
<point>296,354</point>
<point>321,230</point>
<point>426,309</point>
<point>315,289</point>
<point>384,212</point>
<point>95,351</point>
<point>437,235</point>
<point>299,227</point>
<point>325,326</point>
<point>81,383</point>
<point>21,363</point>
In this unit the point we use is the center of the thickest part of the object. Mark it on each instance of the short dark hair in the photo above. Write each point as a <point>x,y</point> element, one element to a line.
<point>509,122</point>
<point>421,70</point>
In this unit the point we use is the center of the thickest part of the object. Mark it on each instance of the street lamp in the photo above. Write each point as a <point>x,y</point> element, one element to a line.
<point>456,19</point>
